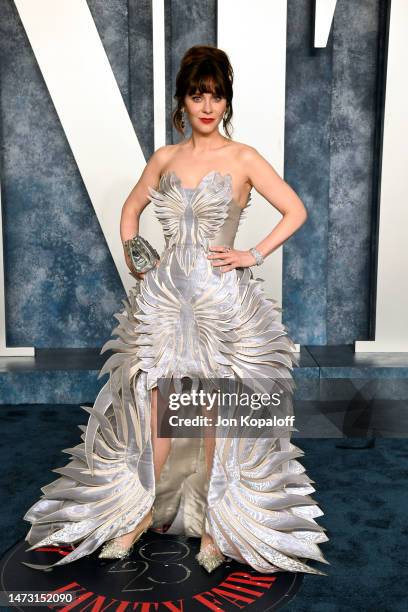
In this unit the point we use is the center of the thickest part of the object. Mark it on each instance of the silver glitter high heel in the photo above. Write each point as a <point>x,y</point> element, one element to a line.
<point>210,557</point>
<point>113,549</point>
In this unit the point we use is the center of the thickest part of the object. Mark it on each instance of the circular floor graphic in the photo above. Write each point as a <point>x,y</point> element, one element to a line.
<point>160,575</point>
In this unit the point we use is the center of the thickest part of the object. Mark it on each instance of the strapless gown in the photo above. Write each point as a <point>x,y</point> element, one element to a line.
<point>187,319</point>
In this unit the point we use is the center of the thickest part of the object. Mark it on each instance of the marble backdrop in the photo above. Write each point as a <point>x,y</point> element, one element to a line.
<point>62,284</point>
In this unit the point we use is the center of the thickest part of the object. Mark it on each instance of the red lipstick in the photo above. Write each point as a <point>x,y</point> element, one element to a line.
<point>206,119</point>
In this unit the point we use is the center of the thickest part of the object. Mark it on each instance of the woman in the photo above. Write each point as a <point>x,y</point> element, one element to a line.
<point>197,314</point>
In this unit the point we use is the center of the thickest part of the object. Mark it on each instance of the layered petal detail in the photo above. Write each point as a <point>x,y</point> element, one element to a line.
<point>191,223</point>
<point>91,506</point>
<point>186,318</point>
<point>260,510</point>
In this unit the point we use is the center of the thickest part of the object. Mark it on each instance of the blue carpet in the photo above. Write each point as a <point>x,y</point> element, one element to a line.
<point>363,493</point>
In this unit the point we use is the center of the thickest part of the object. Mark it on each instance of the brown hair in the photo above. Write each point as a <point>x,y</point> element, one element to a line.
<point>206,69</point>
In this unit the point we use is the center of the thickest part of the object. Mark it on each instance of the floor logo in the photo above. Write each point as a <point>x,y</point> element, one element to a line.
<point>161,575</point>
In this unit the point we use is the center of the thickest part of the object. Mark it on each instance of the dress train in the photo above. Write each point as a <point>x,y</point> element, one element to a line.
<point>187,319</point>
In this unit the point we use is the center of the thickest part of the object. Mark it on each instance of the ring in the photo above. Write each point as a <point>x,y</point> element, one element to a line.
<point>228,248</point>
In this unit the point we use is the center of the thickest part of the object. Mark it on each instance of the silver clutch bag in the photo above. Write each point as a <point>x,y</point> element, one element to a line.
<point>142,254</point>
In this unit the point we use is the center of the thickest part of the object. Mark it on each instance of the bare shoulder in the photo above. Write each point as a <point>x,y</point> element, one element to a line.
<point>152,171</point>
<point>256,165</point>
<point>165,156</point>
<point>248,154</point>
<point>245,153</point>
<point>245,157</point>
<point>161,156</point>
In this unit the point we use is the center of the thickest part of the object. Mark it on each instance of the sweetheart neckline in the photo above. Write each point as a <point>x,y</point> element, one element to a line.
<point>202,180</point>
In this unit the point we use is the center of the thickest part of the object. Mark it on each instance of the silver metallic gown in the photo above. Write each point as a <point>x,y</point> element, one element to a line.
<point>187,318</point>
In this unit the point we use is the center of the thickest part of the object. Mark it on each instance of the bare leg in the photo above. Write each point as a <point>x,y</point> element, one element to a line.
<point>209,446</point>
<point>161,448</point>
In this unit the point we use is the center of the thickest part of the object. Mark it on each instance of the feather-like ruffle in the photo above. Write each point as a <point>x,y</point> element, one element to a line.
<point>188,319</point>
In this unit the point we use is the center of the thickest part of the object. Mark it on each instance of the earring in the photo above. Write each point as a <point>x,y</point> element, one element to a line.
<point>182,122</point>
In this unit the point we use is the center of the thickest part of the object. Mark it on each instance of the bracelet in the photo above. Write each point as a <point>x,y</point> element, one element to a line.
<point>128,241</point>
<point>259,258</point>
